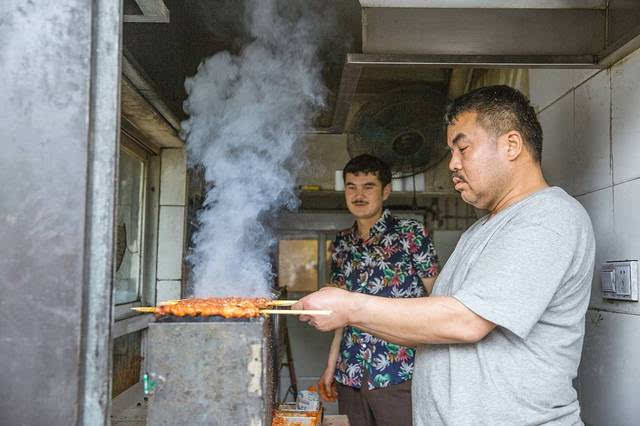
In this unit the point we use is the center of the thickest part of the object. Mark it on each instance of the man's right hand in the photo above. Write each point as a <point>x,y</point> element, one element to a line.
<point>340,302</point>
<point>327,386</point>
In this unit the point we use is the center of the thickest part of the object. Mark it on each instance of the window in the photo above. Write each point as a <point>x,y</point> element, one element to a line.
<point>129,226</point>
<point>304,262</point>
<point>137,168</point>
<point>298,264</point>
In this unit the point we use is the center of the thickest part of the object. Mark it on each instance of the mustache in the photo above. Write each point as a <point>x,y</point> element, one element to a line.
<point>457,176</point>
<point>359,202</point>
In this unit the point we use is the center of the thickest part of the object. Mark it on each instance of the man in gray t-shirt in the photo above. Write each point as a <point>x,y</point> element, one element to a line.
<point>499,338</point>
<point>528,270</point>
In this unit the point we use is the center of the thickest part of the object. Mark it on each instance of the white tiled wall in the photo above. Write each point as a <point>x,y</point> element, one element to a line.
<point>173,177</point>
<point>625,123</point>
<point>172,211</point>
<point>599,204</point>
<point>170,244</point>
<point>167,290</point>
<point>547,86</point>
<point>609,373</point>
<point>580,76</point>
<point>576,151</point>
<point>586,153</point>
<point>557,126</point>
<point>599,163</point>
<point>626,221</point>
<point>591,150</point>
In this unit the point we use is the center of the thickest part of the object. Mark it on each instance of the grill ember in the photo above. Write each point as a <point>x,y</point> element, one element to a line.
<point>228,307</point>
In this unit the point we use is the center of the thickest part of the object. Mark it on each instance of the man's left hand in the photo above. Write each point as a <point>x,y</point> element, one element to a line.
<point>339,302</point>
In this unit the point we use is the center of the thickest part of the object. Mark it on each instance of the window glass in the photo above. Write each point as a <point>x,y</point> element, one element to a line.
<point>298,264</point>
<point>129,227</point>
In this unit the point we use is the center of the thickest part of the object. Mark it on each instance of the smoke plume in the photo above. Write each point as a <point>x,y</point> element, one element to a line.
<point>247,113</point>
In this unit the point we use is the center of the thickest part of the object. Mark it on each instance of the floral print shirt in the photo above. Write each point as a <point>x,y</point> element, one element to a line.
<point>390,263</point>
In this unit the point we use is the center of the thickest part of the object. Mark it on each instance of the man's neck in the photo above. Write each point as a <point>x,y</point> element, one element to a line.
<point>365,225</point>
<point>533,182</point>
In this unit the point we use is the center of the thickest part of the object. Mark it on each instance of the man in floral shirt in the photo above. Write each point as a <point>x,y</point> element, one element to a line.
<point>382,256</point>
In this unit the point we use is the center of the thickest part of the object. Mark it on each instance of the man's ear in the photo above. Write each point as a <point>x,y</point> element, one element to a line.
<point>514,144</point>
<point>386,191</point>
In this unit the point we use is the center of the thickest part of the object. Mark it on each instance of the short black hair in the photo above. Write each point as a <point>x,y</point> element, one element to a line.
<point>500,109</point>
<point>366,164</point>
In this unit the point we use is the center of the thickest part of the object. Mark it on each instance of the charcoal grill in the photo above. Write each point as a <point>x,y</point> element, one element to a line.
<point>210,371</point>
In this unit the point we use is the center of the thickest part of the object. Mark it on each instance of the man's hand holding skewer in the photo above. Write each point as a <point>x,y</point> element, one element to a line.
<point>340,302</point>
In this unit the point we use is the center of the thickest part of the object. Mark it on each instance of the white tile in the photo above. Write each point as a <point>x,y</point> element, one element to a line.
<point>590,163</point>
<point>617,230</point>
<point>608,376</point>
<point>626,220</point>
<point>557,127</point>
<point>547,85</point>
<point>579,76</point>
<point>599,205</point>
<point>170,242</point>
<point>173,177</point>
<point>625,82</point>
<point>168,290</point>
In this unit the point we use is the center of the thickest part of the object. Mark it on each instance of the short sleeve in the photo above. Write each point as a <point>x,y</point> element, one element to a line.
<point>337,270</point>
<point>424,257</point>
<point>517,274</point>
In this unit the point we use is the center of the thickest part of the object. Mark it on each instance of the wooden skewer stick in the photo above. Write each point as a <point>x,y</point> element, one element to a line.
<point>150,309</point>
<point>272,303</point>
<point>282,302</point>
<point>294,312</point>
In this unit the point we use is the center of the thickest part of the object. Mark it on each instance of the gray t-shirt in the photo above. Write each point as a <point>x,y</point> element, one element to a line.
<point>528,269</point>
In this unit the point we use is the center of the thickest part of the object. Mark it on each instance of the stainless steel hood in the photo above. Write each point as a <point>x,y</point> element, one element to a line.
<point>549,33</point>
<point>488,34</point>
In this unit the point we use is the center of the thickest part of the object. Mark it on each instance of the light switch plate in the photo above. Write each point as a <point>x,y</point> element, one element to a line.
<point>619,280</point>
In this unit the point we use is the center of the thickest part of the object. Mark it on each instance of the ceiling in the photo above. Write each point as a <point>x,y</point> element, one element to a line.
<point>170,52</point>
<point>380,45</point>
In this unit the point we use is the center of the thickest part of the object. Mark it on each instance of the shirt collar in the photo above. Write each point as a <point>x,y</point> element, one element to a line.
<point>378,229</point>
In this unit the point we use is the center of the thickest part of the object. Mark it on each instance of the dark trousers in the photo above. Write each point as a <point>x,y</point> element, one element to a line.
<point>390,406</point>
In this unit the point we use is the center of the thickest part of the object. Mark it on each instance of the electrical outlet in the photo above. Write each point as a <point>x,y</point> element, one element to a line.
<point>619,280</point>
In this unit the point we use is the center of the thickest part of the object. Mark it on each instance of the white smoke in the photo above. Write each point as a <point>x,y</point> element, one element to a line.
<point>247,113</point>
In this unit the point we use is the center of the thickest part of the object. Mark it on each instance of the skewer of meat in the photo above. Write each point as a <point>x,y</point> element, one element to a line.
<point>228,307</point>
<point>276,302</point>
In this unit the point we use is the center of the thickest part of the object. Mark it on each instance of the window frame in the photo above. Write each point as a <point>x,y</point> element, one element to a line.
<point>123,312</point>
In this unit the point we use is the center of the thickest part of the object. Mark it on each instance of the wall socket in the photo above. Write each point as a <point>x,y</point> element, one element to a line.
<point>619,280</point>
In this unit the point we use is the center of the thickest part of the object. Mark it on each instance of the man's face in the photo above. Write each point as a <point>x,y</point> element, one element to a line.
<point>364,195</point>
<point>478,165</point>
